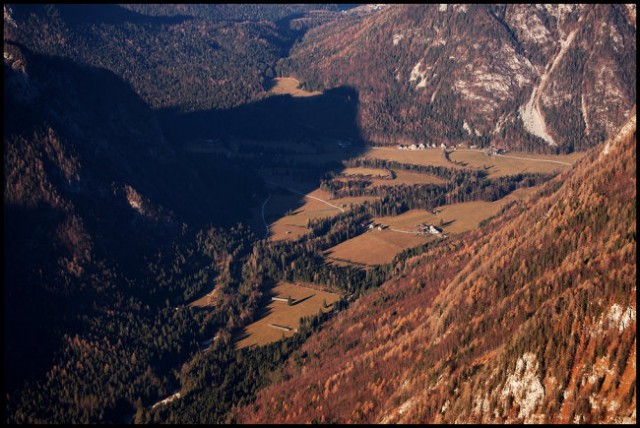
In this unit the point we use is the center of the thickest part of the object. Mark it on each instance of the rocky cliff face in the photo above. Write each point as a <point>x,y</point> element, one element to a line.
<point>531,319</point>
<point>532,76</point>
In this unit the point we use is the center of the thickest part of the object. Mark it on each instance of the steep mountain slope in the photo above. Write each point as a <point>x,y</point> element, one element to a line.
<point>192,57</point>
<point>96,207</point>
<point>553,77</point>
<point>530,319</point>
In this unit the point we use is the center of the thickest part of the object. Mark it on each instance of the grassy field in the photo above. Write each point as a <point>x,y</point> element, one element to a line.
<point>365,172</point>
<point>289,86</point>
<point>206,301</point>
<point>416,157</point>
<point>380,177</point>
<point>570,158</point>
<point>409,177</point>
<point>294,225</point>
<point>310,301</point>
<point>282,226</point>
<point>456,218</point>
<point>507,165</point>
<point>375,247</point>
<point>355,200</point>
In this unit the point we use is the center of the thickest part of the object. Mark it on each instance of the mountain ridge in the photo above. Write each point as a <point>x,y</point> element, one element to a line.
<point>530,319</point>
<point>485,61</point>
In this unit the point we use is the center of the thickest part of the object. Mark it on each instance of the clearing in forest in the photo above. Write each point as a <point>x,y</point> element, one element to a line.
<point>366,172</point>
<point>433,157</point>
<point>374,246</point>
<point>381,177</point>
<point>290,86</point>
<point>289,224</point>
<point>455,218</point>
<point>280,319</point>
<point>513,163</point>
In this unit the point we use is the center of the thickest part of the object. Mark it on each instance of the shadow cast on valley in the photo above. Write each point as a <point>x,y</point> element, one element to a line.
<point>292,142</point>
<point>109,14</point>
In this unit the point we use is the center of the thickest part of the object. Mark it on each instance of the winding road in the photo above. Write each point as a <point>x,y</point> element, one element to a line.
<point>305,195</point>
<point>266,226</point>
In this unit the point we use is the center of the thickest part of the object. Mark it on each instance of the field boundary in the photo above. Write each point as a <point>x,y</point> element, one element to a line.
<point>536,160</point>
<point>305,195</point>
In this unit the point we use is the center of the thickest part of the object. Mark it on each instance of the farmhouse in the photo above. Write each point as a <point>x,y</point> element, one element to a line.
<point>426,228</point>
<point>435,230</point>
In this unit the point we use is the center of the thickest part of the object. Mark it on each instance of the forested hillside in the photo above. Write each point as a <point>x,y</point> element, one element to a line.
<point>190,239</point>
<point>193,57</point>
<point>530,319</point>
<point>107,228</point>
<point>539,77</point>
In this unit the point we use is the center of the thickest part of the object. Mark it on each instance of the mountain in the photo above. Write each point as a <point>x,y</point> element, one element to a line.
<point>529,319</point>
<point>538,77</point>
<point>96,206</point>
<point>191,57</point>
<point>140,141</point>
<point>180,61</point>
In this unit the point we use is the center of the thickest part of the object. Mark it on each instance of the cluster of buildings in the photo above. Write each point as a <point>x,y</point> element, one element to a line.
<point>372,225</point>
<point>429,228</point>
<point>423,146</point>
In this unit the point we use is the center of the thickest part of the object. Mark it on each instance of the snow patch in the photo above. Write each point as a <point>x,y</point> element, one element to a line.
<point>442,7</point>
<point>397,38</point>
<point>525,387</point>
